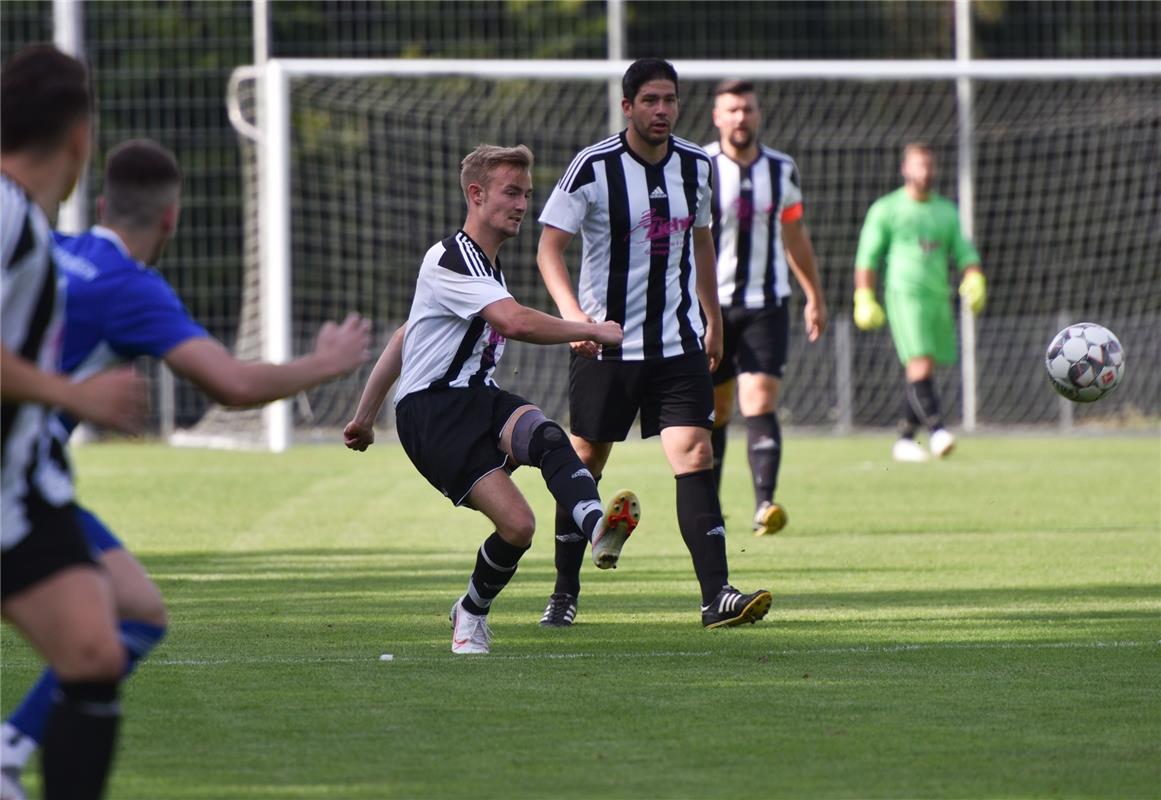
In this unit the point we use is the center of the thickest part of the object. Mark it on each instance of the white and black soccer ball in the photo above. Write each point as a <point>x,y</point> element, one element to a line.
<point>1085,362</point>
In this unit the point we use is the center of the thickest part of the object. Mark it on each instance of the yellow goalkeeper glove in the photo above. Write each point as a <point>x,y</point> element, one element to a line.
<point>869,314</point>
<point>973,289</point>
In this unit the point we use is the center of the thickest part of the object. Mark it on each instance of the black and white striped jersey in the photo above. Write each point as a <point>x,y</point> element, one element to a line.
<point>636,222</point>
<point>448,344</point>
<point>31,322</point>
<point>749,206</point>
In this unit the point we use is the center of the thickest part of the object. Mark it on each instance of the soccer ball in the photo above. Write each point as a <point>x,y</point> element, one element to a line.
<point>1085,362</point>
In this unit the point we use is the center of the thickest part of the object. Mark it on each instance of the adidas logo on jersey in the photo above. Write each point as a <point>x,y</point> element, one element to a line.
<point>747,184</point>
<point>658,194</point>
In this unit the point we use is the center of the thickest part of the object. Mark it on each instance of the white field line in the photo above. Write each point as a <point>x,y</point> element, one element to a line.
<point>866,649</point>
<point>649,654</point>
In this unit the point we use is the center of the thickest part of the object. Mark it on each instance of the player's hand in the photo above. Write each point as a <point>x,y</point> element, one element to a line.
<point>713,345</point>
<point>585,349</point>
<point>115,398</point>
<point>974,290</point>
<point>814,314</point>
<point>344,347</point>
<point>869,315</point>
<point>357,436</point>
<point>609,333</point>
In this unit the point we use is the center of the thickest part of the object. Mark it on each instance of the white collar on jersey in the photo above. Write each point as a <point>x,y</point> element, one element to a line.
<point>110,235</point>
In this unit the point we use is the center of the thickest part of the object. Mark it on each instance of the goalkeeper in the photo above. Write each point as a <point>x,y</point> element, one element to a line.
<point>915,231</point>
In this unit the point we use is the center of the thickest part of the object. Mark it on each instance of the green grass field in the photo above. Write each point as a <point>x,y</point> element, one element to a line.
<point>988,626</point>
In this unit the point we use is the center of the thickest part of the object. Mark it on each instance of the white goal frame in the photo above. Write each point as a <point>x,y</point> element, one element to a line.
<point>273,136</point>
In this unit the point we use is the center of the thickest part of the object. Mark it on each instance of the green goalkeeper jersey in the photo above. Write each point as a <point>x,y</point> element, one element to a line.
<point>916,238</point>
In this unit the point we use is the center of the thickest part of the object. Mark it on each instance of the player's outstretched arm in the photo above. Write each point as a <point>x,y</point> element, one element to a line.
<point>800,253</point>
<point>360,431</point>
<point>554,271</point>
<point>114,398</point>
<point>338,349</point>
<point>514,321</point>
<point>705,262</point>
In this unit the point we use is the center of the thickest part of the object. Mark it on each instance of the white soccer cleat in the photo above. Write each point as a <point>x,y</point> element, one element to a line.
<point>908,451</point>
<point>621,517</point>
<point>942,443</point>
<point>470,632</point>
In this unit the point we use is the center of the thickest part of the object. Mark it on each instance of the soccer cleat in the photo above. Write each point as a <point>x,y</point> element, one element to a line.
<point>560,611</point>
<point>10,786</point>
<point>470,632</point>
<point>731,608</point>
<point>769,519</point>
<point>908,451</point>
<point>621,517</point>
<point>942,443</point>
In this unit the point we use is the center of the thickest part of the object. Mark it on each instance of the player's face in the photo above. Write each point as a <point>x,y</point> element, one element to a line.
<point>737,118</point>
<point>653,112</point>
<point>506,199</point>
<point>919,170</point>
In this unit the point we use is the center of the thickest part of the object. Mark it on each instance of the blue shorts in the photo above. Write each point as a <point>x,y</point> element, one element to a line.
<point>98,537</point>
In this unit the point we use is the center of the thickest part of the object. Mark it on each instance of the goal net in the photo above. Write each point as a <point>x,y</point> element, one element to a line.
<point>1067,198</point>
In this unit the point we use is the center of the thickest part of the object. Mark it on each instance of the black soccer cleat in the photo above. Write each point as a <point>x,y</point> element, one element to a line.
<point>731,607</point>
<point>560,611</point>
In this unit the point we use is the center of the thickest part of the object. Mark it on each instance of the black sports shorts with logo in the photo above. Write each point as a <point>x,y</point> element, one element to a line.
<point>754,340</point>
<point>605,396</point>
<point>452,436</point>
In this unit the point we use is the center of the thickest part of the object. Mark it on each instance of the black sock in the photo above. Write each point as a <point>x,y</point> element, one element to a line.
<point>699,515</point>
<point>718,440</point>
<point>764,439</point>
<point>496,563</point>
<point>571,545</point>
<point>571,484</point>
<point>909,422</point>
<point>921,395</point>
<point>79,740</point>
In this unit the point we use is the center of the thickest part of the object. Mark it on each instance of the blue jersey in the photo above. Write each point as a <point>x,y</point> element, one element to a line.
<point>116,307</point>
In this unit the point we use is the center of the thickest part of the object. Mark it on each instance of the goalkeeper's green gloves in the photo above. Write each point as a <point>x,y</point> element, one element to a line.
<point>973,289</point>
<point>869,314</point>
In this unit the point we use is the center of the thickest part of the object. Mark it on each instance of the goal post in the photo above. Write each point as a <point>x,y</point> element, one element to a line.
<point>352,175</point>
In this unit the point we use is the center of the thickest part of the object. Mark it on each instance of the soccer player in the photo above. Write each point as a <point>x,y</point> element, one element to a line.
<point>641,202</point>
<point>50,587</point>
<point>119,308</point>
<point>760,237</point>
<point>460,430</point>
<point>915,231</point>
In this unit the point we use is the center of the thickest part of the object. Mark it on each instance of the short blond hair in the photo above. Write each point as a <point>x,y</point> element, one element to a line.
<point>917,147</point>
<point>477,165</point>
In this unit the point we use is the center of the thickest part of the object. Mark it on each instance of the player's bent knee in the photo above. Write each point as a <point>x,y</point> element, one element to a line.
<point>93,657</point>
<point>518,530</point>
<point>534,436</point>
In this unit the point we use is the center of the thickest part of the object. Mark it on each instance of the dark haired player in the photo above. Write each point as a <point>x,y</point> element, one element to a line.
<point>641,202</point>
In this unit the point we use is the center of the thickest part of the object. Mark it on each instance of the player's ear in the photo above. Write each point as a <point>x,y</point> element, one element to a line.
<point>169,218</point>
<point>100,207</point>
<point>475,194</point>
<point>626,107</point>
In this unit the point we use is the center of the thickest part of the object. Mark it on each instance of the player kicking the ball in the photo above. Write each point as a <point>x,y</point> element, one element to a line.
<point>462,431</point>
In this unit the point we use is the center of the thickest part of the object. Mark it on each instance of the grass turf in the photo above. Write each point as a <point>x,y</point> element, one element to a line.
<point>987,626</point>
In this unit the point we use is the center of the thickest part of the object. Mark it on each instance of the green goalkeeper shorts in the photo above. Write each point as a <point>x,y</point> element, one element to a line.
<point>921,325</point>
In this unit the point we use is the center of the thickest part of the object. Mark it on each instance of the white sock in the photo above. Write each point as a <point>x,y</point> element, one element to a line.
<point>15,747</point>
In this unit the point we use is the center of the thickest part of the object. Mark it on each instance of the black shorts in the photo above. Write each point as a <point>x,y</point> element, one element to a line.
<point>452,436</point>
<point>755,340</point>
<point>54,543</point>
<point>605,396</point>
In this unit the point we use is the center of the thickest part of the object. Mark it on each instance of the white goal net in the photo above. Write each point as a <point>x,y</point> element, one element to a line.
<point>1067,217</point>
